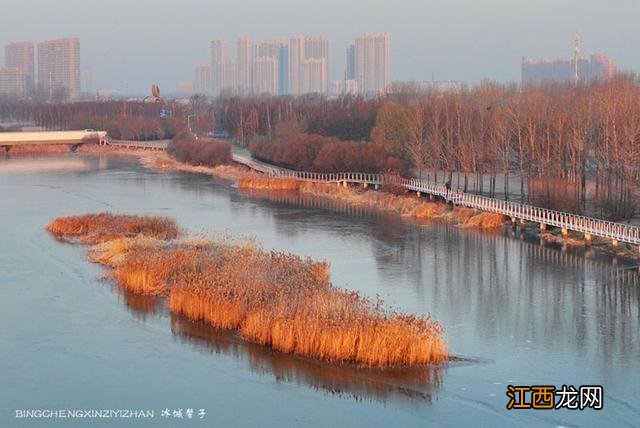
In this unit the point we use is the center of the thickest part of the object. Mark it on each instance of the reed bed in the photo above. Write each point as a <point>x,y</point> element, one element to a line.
<point>272,298</point>
<point>402,204</point>
<point>96,228</point>
<point>261,182</point>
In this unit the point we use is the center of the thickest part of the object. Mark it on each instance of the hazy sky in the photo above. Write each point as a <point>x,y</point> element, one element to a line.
<point>132,43</point>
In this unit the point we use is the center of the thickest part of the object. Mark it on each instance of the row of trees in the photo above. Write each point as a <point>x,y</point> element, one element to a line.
<point>293,149</point>
<point>186,148</point>
<point>561,146</point>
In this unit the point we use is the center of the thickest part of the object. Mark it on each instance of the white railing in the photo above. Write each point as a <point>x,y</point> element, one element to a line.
<point>603,228</point>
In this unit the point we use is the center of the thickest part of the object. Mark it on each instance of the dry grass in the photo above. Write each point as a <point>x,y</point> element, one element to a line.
<point>271,298</point>
<point>96,228</point>
<point>404,204</point>
<point>262,182</point>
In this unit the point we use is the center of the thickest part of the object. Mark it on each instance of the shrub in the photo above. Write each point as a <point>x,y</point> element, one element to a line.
<point>185,148</point>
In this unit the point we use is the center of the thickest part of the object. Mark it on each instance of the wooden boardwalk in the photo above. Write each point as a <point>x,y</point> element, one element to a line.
<point>617,232</point>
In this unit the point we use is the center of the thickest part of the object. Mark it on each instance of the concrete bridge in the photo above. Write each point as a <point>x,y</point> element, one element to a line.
<point>517,212</point>
<point>73,139</point>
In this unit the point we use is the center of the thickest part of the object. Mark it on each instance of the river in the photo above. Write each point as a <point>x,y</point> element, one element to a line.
<point>514,311</point>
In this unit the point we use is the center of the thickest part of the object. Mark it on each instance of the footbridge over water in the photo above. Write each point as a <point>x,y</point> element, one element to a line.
<point>517,212</point>
<point>73,139</point>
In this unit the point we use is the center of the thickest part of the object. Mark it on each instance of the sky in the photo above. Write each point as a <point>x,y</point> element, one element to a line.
<point>133,43</point>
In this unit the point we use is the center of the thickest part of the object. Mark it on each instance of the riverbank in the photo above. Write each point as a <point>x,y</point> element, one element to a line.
<point>405,205</point>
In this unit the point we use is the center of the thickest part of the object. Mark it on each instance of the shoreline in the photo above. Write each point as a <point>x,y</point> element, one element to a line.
<point>406,206</point>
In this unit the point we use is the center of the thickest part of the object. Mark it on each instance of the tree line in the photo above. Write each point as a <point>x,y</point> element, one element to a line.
<point>563,146</point>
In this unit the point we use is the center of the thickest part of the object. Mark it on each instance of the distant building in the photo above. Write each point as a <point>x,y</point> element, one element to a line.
<point>296,57</point>
<point>87,81</point>
<point>344,87</point>
<point>59,67</point>
<point>372,63</point>
<point>244,65</point>
<point>314,76</point>
<point>278,49</point>
<point>20,55</point>
<point>265,78</point>
<point>229,78</point>
<point>596,67</point>
<point>219,58</point>
<point>185,88</point>
<point>12,82</point>
<point>202,82</point>
<point>351,63</point>
<point>318,48</point>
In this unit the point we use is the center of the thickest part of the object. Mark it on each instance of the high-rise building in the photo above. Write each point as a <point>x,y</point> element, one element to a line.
<point>185,88</point>
<point>87,81</point>
<point>19,55</point>
<point>595,67</point>
<point>244,64</point>
<point>12,82</point>
<point>372,63</point>
<point>314,76</point>
<point>59,67</point>
<point>302,49</point>
<point>278,49</point>
<point>296,57</point>
<point>265,78</point>
<point>202,82</point>
<point>229,78</point>
<point>219,57</point>
<point>344,87</point>
<point>350,69</point>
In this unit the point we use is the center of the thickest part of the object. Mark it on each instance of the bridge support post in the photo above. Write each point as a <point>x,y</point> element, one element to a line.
<point>7,148</point>
<point>366,185</point>
<point>418,193</point>
<point>587,239</point>
<point>430,197</point>
<point>565,232</point>
<point>377,186</point>
<point>523,224</point>
<point>514,221</point>
<point>543,227</point>
<point>615,243</point>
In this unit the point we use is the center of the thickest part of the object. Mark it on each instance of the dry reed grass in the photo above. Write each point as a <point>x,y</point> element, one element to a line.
<point>96,228</point>
<point>400,203</point>
<point>261,182</point>
<point>271,298</point>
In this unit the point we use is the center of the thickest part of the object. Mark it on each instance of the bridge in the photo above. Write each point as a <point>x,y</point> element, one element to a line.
<point>73,139</point>
<point>519,213</point>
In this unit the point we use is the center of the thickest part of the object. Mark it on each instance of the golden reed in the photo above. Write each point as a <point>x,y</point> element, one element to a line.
<point>272,298</point>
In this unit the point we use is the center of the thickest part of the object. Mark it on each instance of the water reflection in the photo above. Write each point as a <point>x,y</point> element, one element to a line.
<point>414,385</point>
<point>506,289</point>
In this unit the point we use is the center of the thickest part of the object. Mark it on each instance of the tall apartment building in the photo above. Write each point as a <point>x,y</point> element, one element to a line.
<point>12,82</point>
<point>301,73</point>
<point>219,59</point>
<point>372,63</point>
<point>318,48</point>
<point>296,57</point>
<point>202,81</point>
<point>278,49</point>
<point>244,64</point>
<point>595,67</point>
<point>314,76</point>
<point>343,87</point>
<point>59,66</point>
<point>265,75</point>
<point>87,81</point>
<point>19,55</point>
<point>350,69</point>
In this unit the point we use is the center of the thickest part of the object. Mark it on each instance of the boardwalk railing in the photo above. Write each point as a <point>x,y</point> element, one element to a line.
<point>589,226</point>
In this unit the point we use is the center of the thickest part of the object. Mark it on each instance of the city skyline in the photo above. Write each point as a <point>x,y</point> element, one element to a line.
<point>452,40</point>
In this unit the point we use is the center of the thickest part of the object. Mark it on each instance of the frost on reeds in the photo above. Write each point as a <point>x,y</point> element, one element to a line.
<point>96,228</point>
<point>271,298</point>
